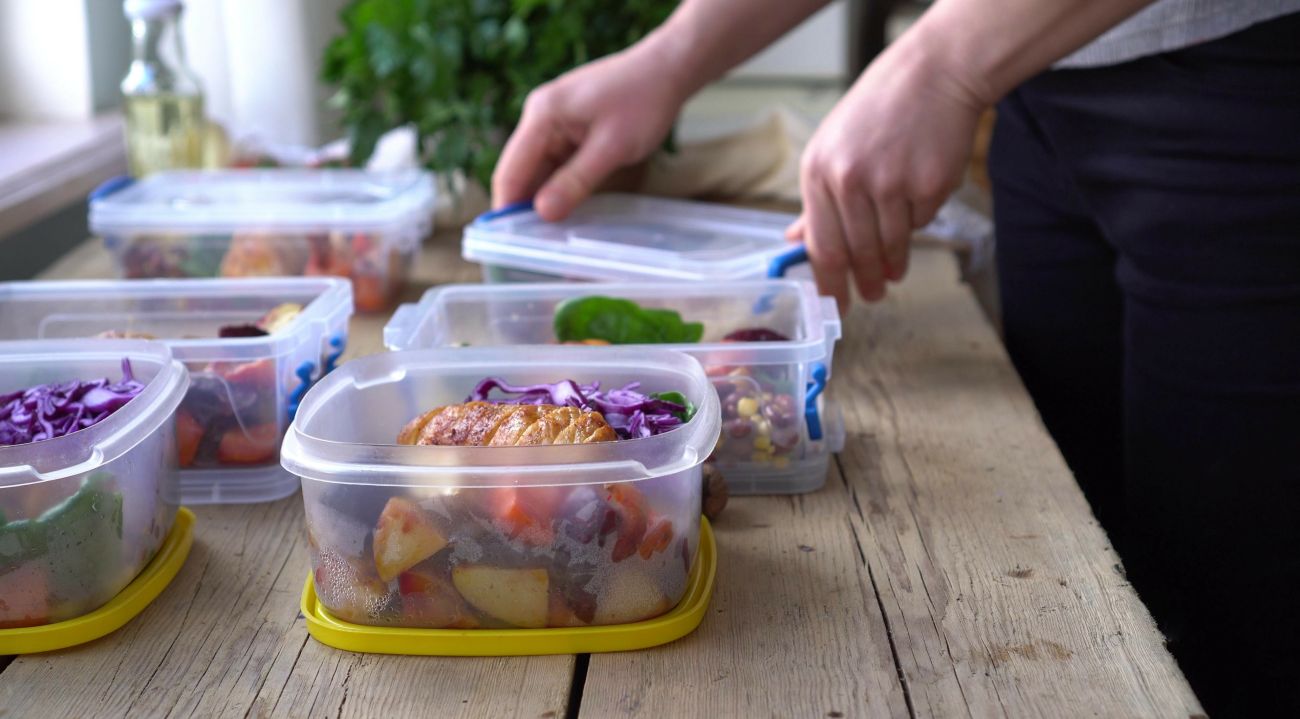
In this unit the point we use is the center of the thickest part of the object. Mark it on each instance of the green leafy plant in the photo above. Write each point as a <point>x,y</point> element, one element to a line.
<point>459,70</point>
<point>677,398</point>
<point>621,322</point>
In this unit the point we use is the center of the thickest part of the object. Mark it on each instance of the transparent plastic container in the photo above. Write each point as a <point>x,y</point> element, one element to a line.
<point>779,430</point>
<point>496,537</point>
<point>622,238</point>
<point>364,226</point>
<point>82,514</point>
<point>243,390</point>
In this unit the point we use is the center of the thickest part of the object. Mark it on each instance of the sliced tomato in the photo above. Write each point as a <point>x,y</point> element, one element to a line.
<point>257,445</point>
<point>259,374</point>
<point>630,508</point>
<point>24,598</point>
<point>522,513</point>
<point>369,292</point>
<point>188,435</point>
<point>657,538</point>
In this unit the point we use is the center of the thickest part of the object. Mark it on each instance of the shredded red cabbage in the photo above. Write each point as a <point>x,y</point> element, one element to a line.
<point>54,410</point>
<point>630,413</point>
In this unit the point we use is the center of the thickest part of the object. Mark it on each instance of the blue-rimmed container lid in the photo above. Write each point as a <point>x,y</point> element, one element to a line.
<point>617,237</point>
<point>396,204</point>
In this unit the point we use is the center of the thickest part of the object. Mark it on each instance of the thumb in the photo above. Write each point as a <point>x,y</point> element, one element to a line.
<point>795,232</point>
<point>598,156</point>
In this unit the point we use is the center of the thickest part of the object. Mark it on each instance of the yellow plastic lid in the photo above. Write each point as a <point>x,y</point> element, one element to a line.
<point>679,622</point>
<point>120,609</point>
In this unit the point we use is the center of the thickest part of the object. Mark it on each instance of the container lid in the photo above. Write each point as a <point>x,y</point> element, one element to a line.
<point>677,623</point>
<point>285,200</point>
<point>346,428</point>
<point>149,9</point>
<point>120,609</point>
<point>68,309</point>
<point>630,237</point>
<point>27,364</point>
<point>522,314</point>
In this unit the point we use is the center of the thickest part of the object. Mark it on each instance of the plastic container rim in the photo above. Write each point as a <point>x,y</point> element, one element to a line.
<point>412,205</point>
<point>116,435</point>
<point>331,303</point>
<point>492,240</point>
<point>820,313</point>
<point>314,458</point>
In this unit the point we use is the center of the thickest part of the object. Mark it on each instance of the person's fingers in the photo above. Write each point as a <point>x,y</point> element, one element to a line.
<point>924,209</point>
<point>858,218</point>
<point>797,229</point>
<point>526,160</point>
<point>597,156</point>
<point>827,252</point>
<point>894,220</point>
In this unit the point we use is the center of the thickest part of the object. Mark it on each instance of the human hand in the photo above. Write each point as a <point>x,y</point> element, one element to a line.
<point>579,128</point>
<point>879,166</point>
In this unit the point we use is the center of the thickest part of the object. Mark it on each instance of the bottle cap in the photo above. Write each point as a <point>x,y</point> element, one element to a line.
<point>149,9</point>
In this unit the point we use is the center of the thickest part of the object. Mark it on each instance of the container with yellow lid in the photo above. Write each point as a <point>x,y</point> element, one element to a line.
<point>492,539</point>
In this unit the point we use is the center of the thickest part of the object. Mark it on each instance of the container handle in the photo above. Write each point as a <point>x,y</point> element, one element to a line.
<point>398,329</point>
<point>776,270</point>
<point>338,343</point>
<point>796,255</point>
<point>510,209</point>
<point>815,388</point>
<point>305,373</point>
<point>109,186</point>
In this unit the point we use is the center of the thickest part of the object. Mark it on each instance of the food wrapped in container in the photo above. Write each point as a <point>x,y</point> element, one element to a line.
<point>82,511</point>
<point>252,346</point>
<point>767,346</point>
<point>363,226</point>
<point>516,536</point>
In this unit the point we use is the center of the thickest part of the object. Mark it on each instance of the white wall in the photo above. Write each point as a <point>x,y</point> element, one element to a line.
<point>816,50</point>
<point>49,35</point>
<point>259,62</point>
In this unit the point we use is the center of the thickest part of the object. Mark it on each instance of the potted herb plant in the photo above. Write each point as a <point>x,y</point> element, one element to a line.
<point>458,70</point>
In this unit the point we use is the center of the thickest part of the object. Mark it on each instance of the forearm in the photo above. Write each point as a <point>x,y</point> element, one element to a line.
<point>703,39</point>
<point>990,46</point>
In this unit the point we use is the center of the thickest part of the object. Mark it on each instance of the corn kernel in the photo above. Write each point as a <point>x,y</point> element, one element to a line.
<point>763,443</point>
<point>781,462</point>
<point>747,407</point>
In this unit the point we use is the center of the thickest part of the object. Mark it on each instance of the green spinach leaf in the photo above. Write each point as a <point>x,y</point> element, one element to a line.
<point>621,322</point>
<point>678,398</point>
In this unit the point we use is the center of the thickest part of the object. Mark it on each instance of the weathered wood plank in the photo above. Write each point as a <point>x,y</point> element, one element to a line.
<point>794,628</point>
<point>1001,591</point>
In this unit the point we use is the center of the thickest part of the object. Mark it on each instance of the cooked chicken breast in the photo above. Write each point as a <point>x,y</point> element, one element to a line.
<point>484,424</point>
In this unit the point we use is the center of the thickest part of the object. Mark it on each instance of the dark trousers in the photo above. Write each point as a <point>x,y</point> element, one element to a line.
<point>1148,227</point>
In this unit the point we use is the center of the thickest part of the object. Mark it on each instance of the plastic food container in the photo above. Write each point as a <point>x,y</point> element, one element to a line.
<point>243,390</point>
<point>778,429</point>
<point>244,223</point>
<point>82,514</point>
<point>624,238</point>
<point>496,537</point>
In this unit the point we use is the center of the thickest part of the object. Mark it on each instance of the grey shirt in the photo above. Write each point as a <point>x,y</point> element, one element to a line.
<point>1167,25</point>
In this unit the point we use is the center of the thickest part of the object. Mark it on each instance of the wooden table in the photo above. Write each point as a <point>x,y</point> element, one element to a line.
<point>950,567</point>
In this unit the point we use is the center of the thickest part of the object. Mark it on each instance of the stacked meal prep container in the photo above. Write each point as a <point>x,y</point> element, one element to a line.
<point>243,391</point>
<point>364,226</point>
<point>778,429</point>
<point>500,550</point>
<point>718,257</point>
<point>90,531</point>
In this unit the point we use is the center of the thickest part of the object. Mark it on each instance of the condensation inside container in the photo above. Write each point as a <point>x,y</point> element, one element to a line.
<point>503,557</point>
